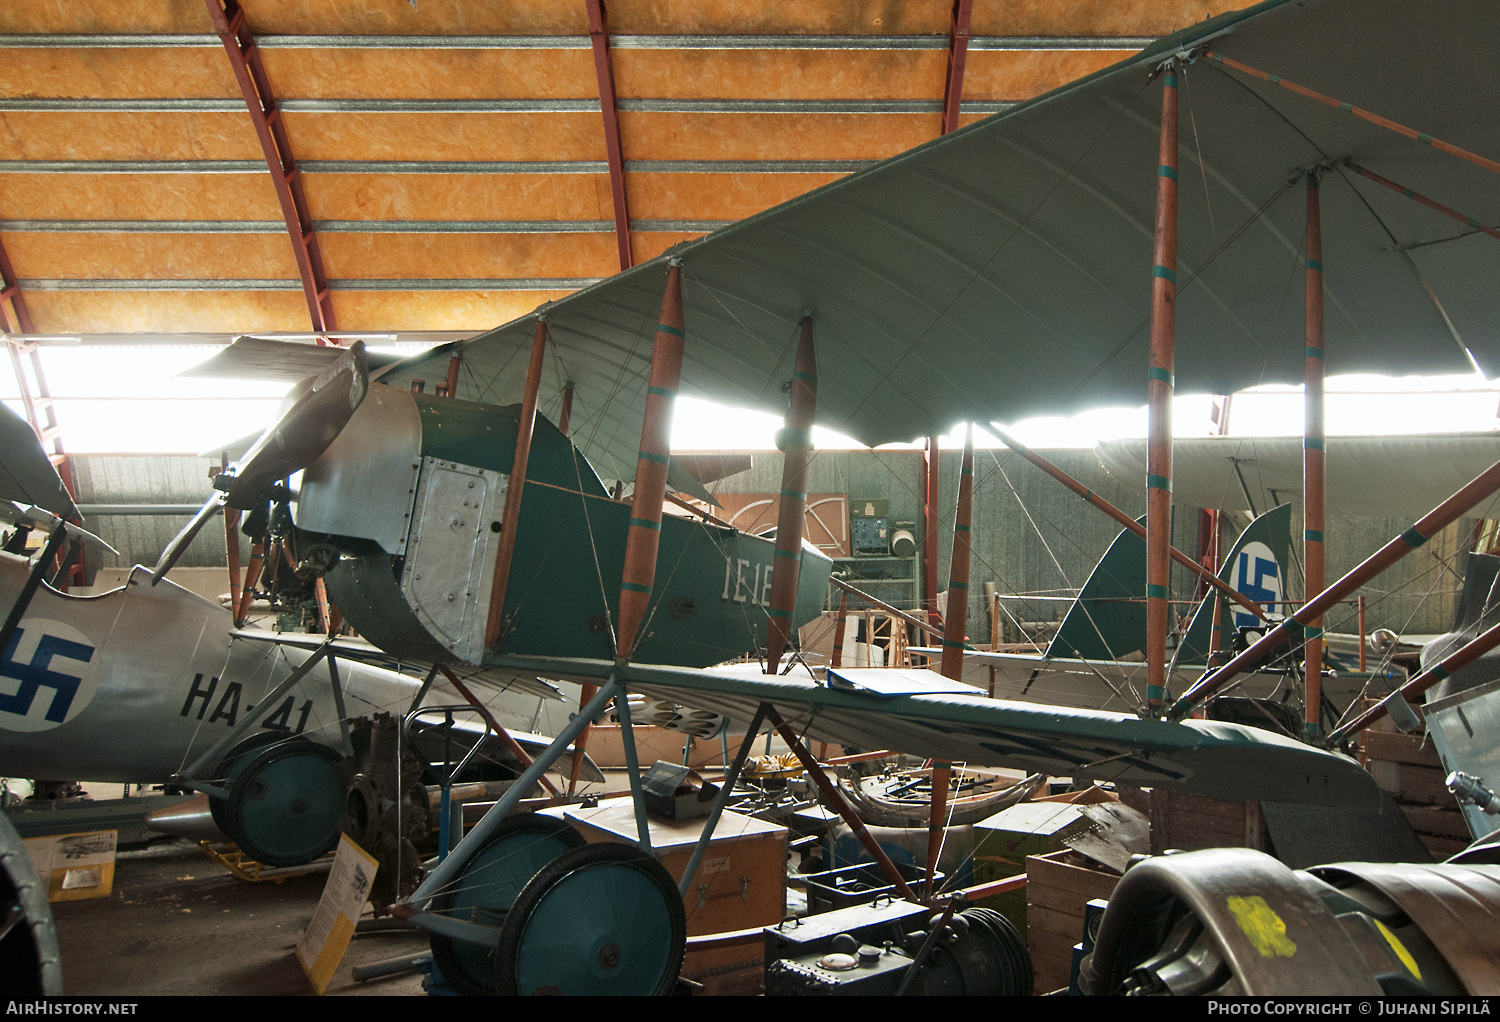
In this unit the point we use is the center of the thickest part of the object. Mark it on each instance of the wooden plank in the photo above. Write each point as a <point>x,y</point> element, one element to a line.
<point>1399,748</point>
<point>1437,821</point>
<point>1205,806</point>
<point>1059,923</point>
<point>1423,785</point>
<point>1052,971</point>
<point>1442,847</point>
<point>1053,872</point>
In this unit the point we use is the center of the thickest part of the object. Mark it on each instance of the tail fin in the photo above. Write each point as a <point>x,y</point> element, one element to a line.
<point>1108,620</point>
<point>1256,567</point>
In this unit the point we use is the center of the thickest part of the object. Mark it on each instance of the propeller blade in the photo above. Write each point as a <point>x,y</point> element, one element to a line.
<point>304,431</point>
<point>26,473</point>
<point>180,542</point>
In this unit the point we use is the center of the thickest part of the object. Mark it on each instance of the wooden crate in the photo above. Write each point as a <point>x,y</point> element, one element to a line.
<point>1409,768</point>
<point>740,883</point>
<point>1058,886</point>
<point>1191,822</point>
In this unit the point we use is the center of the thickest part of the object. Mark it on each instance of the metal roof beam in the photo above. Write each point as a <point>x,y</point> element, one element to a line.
<point>608,106</point>
<point>435,166</point>
<point>555,42</point>
<point>958,51</point>
<point>280,284</point>
<point>15,318</point>
<point>506,106</point>
<point>239,43</point>
<point>353,226</point>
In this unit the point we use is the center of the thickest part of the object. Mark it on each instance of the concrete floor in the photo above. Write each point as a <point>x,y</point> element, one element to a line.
<point>177,923</point>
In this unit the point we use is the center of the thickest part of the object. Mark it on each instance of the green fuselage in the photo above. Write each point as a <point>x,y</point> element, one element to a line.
<point>562,594</point>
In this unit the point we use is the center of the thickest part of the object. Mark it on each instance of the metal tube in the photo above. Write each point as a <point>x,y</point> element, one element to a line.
<point>896,612</point>
<point>1313,470</point>
<point>1422,682</point>
<point>585,693</point>
<point>211,755</point>
<point>30,586</point>
<point>955,623</point>
<point>506,547</point>
<point>489,718</point>
<point>837,657</point>
<point>232,544</point>
<point>1159,390</point>
<point>1449,511</point>
<point>252,576</point>
<point>633,771</point>
<point>445,871</point>
<point>651,469</point>
<point>930,526</point>
<point>730,780</point>
<point>831,792</point>
<point>796,445</point>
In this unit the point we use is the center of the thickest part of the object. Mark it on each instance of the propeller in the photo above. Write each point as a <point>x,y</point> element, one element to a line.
<point>294,441</point>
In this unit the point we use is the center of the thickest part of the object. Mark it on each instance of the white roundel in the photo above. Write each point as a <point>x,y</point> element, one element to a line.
<point>48,675</point>
<point>1258,576</point>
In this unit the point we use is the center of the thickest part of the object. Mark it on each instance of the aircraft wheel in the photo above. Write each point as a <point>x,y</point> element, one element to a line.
<point>284,806</point>
<point>602,919</point>
<point>236,759</point>
<point>486,888</point>
<point>30,961</point>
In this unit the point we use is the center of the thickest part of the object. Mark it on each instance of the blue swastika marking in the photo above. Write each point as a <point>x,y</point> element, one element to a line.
<point>1252,585</point>
<point>36,675</point>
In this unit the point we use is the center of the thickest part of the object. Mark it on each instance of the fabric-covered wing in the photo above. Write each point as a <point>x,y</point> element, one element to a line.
<point>26,475</point>
<point>1004,270</point>
<point>1219,760</point>
<point>1369,475</point>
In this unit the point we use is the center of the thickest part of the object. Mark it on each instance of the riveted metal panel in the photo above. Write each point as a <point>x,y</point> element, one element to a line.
<point>450,557</point>
<point>363,485</point>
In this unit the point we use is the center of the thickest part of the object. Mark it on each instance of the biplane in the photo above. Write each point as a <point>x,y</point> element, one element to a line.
<point>1042,260</point>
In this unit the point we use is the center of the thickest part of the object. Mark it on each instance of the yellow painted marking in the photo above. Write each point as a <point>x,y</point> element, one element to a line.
<point>1266,930</point>
<point>1399,948</point>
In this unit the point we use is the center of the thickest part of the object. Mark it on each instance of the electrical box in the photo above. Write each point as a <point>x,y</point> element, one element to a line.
<point>869,526</point>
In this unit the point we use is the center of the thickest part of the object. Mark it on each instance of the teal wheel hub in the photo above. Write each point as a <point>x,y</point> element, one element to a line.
<point>485,889</point>
<point>234,761</point>
<point>605,919</point>
<point>284,806</point>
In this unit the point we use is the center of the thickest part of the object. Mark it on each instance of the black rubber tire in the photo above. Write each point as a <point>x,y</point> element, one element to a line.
<point>287,805</point>
<point>467,967</point>
<point>567,893</point>
<point>30,962</point>
<point>1019,977</point>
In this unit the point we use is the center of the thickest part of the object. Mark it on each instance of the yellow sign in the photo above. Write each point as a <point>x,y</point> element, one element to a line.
<point>76,866</point>
<point>327,937</point>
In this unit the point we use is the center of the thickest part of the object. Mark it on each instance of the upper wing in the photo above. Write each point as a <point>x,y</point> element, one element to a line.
<point>1003,270</point>
<point>1211,758</point>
